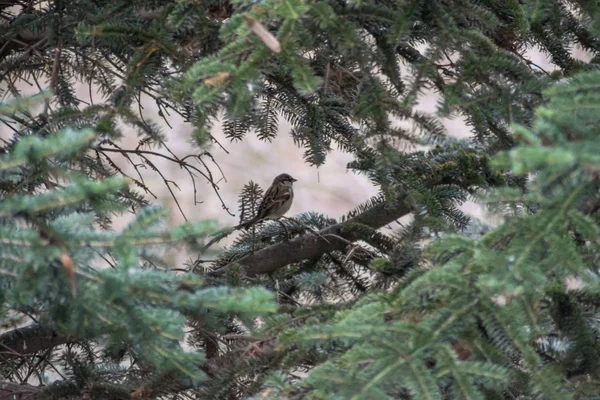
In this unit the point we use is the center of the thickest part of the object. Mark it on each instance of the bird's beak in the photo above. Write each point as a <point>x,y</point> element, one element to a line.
<point>294,180</point>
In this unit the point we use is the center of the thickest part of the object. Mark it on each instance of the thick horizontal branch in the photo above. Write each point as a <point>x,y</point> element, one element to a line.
<point>11,390</point>
<point>17,391</point>
<point>28,340</point>
<point>261,351</point>
<point>333,238</point>
<point>310,245</point>
<point>8,3</point>
<point>40,39</point>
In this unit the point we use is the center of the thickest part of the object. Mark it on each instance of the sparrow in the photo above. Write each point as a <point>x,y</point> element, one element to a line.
<point>277,201</point>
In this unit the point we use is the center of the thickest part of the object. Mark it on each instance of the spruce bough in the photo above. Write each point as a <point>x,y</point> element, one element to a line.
<point>441,307</point>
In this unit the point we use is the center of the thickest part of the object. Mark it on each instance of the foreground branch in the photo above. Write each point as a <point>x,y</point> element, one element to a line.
<point>34,338</point>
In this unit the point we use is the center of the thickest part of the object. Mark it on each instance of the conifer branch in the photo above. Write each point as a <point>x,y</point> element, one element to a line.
<point>34,338</point>
<point>11,390</point>
<point>336,237</point>
<point>472,310</point>
<point>28,340</point>
<point>333,238</point>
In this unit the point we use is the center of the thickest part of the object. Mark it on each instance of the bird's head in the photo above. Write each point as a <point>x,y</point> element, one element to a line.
<point>284,179</point>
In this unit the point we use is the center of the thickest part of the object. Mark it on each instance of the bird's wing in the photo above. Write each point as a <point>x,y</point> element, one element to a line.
<point>275,197</point>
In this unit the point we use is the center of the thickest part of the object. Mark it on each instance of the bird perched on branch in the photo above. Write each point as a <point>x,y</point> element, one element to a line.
<point>277,201</point>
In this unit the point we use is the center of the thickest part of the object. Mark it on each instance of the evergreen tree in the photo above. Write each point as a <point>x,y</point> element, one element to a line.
<point>312,307</point>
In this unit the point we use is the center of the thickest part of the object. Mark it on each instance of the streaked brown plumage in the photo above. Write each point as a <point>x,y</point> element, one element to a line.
<point>277,201</point>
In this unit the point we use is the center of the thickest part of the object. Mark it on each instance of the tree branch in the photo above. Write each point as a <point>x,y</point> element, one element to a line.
<point>333,238</point>
<point>34,338</point>
<point>261,351</point>
<point>337,237</point>
<point>28,340</point>
<point>11,390</point>
<point>8,3</point>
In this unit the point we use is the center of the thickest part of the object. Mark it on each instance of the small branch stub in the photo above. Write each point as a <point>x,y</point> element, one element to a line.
<point>69,267</point>
<point>263,34</point>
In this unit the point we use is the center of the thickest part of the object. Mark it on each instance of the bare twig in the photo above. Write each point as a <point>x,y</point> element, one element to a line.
<point>181,162</point>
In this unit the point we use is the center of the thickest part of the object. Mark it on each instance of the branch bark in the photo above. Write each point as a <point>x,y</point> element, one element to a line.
<point>11,390</point>
<point>261,350</point>
<point>8,3</point>
<point>28,340</point>
<point>333,238</point>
